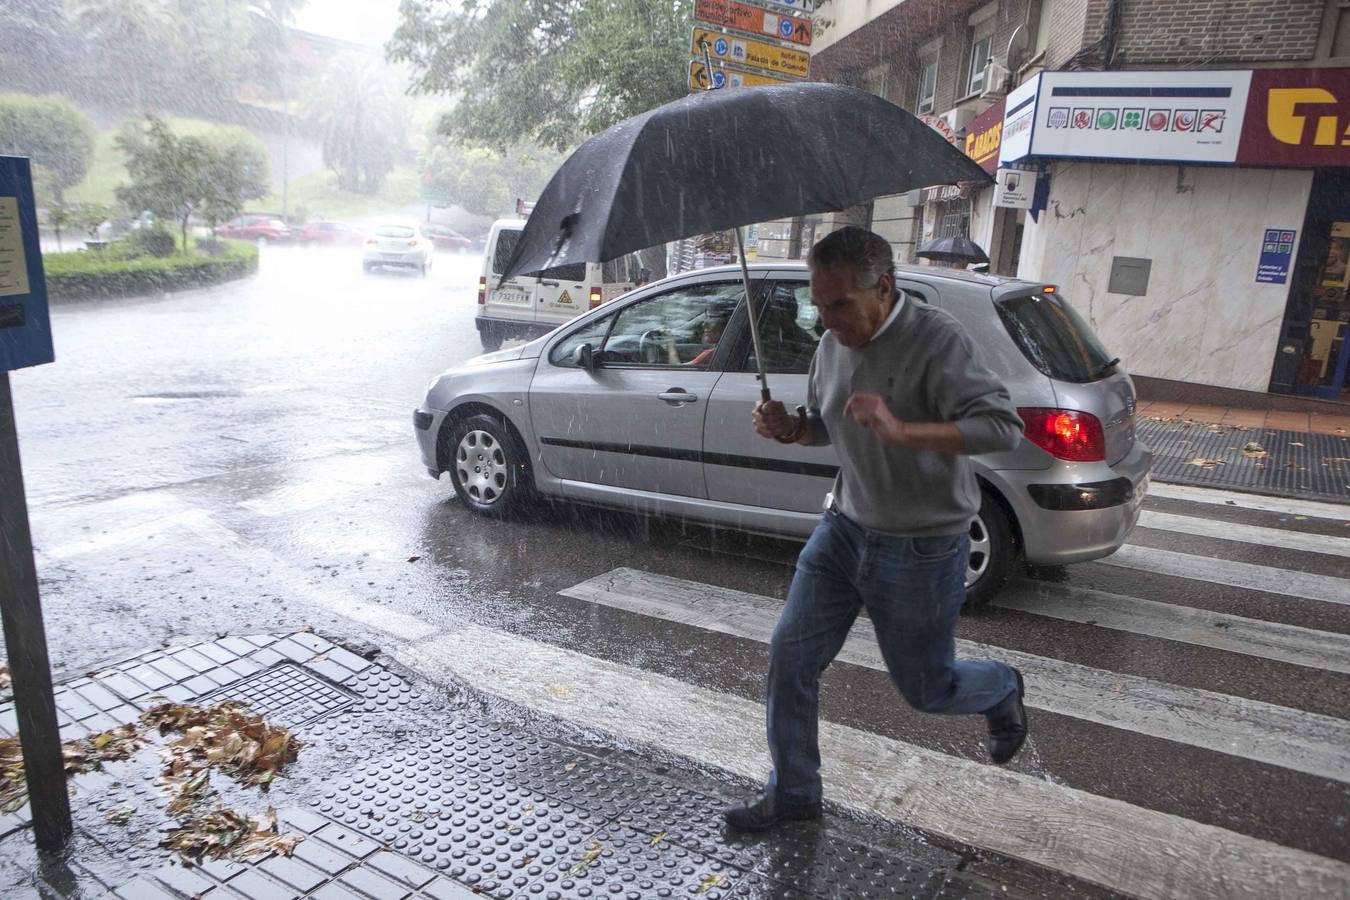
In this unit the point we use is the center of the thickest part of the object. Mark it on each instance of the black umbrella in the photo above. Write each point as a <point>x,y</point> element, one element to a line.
<point>720,159</point>
<point>953,248</point>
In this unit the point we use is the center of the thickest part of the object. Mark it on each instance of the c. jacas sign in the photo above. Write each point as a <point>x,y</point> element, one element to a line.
<point>984,135</point>
<point>1297,117</point>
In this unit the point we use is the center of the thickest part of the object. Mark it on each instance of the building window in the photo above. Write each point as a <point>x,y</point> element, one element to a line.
<point>980,47</point>
<point>928,71</point>
<point>1340,33</point>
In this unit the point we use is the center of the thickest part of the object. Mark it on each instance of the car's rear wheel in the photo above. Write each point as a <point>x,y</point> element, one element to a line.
<point>488,467</point>
<point>992,551</point>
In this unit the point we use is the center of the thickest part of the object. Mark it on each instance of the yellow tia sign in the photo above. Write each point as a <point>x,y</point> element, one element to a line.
<point>768,58</point>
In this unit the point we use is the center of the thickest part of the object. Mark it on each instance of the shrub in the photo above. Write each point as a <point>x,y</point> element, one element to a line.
<point>157,241</point>
<point>111,274</point>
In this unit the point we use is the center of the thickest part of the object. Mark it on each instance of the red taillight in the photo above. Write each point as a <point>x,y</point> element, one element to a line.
<point>482,290</point>
<point>1065,433</point>
<point>596,297</point>
<point>412,243</point>
<point>371,241</point>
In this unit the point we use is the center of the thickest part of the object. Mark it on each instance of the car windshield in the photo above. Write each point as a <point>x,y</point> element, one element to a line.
<point>1054,337</point>
<point>395,231</point>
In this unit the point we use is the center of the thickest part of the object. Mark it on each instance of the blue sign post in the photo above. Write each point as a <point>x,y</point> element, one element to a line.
<point>1277,252</point>
<point>26,340</point>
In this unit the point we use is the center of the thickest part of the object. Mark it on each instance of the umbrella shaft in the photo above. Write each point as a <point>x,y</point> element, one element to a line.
<point>754,319</point>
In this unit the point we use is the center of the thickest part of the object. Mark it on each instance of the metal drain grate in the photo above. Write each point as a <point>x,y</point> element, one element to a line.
<point>286,694</point>
<point>1308,466</point>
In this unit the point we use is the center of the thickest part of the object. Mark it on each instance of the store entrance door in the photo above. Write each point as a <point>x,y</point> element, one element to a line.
<point>1314,345</point>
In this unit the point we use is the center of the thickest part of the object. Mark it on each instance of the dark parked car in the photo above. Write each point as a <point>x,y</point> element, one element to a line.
<point>255,227</point>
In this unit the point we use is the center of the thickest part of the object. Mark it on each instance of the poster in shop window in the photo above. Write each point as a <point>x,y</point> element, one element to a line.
<point>1338,256</point>
<point>1277,250</point>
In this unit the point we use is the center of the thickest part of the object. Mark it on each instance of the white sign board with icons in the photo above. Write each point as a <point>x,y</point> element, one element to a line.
<point>1014,188</point>
<point>1167,116</point>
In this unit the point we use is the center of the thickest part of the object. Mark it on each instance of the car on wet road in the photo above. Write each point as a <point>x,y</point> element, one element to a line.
<point>398,245</point>
<point>644,405</point>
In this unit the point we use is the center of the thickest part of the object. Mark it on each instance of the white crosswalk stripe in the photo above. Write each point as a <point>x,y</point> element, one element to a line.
<point>1202,627</point>
<point>1305,742</point>
<point>1306,585</point>
<point>1250,534</point>
<point>1217,497</point>
<point>1128,848</point>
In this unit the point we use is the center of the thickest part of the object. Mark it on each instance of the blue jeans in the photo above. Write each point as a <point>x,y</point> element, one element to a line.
<point>913,589</point>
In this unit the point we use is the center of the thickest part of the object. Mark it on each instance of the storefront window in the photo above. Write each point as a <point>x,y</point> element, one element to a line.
<point>1322,367</point>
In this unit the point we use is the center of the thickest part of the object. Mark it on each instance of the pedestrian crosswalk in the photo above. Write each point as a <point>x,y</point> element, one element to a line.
<point>1137,843</point>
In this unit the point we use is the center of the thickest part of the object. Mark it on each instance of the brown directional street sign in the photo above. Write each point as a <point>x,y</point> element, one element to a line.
<point>757,56</point>
<point>724,77</point>
<point>753,20</point>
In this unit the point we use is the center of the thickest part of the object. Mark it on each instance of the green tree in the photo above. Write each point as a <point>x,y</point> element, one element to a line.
<point>484,181</point>
<point>174,177</point>
<point>364,117</point>
<point>545,71</point>
<point>53,133</point>
<point>129,34</point>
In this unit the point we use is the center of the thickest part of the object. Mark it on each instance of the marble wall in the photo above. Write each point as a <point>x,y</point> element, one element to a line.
<point>1204,318</point>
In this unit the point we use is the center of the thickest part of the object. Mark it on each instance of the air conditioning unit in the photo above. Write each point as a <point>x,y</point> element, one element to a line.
<point>958,119</point>
<point>996,77</point>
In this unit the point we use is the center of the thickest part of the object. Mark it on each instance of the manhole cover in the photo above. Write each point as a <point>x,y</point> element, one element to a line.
<point>286,694</point>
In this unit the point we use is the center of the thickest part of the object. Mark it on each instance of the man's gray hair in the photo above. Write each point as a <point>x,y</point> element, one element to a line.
<point>866,253</point>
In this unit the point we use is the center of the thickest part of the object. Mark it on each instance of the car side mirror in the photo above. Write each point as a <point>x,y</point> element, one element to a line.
<point>586,358</point>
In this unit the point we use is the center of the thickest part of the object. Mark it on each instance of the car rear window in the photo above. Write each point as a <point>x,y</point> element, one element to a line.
<point>394,231</point>
<point>1054,338</point>
<point>506,245</point>
<point>574,272</point>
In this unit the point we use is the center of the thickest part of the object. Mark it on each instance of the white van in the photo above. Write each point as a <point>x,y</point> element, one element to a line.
<point>529,306</point>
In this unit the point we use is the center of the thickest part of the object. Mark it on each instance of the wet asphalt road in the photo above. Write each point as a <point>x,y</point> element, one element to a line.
<point>242,459</point>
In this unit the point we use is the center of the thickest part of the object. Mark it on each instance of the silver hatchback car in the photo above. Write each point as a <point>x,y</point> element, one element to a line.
<point>644,404</point>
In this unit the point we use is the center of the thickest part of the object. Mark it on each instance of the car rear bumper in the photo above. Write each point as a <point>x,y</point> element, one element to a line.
<point>1074,513</point>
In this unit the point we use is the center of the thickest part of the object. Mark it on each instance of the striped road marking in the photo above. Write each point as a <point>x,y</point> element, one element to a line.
<point>1293,739</point>
<point>1216,497</point>
<point>1249,534</point>
<point>1126,848</point>
<point>1252,637</point>
<point>1288,582</point>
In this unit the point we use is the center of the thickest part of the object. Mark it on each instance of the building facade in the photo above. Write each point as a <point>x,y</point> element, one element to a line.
<point>1180,169</point>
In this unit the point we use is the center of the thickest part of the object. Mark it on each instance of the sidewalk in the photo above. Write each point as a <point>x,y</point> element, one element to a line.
<point>1284,453</point>
<point>408,790</point>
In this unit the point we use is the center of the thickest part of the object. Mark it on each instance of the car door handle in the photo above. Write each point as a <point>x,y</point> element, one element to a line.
<point>677,396</point>
<point>549,283</point>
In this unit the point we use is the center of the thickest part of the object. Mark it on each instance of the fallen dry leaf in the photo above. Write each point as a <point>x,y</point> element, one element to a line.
<point>711,881</point>
<point>4,678</point>
<point>225,833</point>
<point>1253,450</point>
<point>1206,463</point>
<point>414,558</point>
<point>558,691</point>
<point>1295,444</point>
<point>569,767</point>
<point>121,816</point>
<point>85,754</point>
<point>656,839</point>
<point>593,851</point>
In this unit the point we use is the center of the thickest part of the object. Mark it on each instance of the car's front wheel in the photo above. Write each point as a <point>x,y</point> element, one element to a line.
<point>992,551</point>
<point>488,467</point>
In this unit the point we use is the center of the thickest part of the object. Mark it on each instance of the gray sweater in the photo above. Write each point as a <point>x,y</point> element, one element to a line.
<point>925,365</point>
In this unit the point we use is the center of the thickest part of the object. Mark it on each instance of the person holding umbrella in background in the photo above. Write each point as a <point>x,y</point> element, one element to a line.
<point>896,388</point>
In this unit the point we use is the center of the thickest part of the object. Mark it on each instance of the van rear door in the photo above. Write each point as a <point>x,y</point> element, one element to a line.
<point>510,298</point>
<point>563,294</point>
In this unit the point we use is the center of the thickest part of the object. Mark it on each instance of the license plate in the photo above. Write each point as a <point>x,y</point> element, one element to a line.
<point>510,297</point>
<point>394,256</point>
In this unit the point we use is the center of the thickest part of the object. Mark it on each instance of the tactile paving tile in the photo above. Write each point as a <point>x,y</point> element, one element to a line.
<point>836,865</point>
<point>482,831</point>
<point>1317,470</point>
<point>286,694</point>
<point>631,867</point>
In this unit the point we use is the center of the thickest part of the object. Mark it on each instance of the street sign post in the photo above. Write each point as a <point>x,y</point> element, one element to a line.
<point>723,77</point>
<point>753,20</point>
<point>757,56</point>
<point>26,340</point>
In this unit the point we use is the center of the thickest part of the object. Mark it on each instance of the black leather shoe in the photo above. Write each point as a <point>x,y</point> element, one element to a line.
<point>1007,725</point>
<point>766,813</point>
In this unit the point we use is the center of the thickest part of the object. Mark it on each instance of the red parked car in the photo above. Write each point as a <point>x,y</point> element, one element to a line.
<point>445,237</point>
<point>328,233</point>
<point>255,227</point>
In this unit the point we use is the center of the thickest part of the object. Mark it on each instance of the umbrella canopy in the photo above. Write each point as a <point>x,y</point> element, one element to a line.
<point>954,248</point>
<point>718,159</point>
